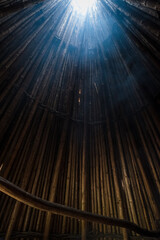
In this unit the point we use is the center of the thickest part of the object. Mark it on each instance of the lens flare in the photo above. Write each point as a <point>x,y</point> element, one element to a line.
<point>82,6</point>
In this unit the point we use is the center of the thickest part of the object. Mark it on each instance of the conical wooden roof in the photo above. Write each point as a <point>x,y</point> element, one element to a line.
<point>79,116</point>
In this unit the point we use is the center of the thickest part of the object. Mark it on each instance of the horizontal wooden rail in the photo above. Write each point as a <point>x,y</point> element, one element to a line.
<point>20,195</point>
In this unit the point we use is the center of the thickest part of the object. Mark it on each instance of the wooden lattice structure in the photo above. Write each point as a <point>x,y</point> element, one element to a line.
<point>79,118</point>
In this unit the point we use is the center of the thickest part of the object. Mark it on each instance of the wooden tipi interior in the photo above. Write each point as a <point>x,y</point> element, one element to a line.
<point>80,119</point>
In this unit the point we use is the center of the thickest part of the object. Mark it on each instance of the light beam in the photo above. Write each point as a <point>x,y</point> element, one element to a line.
<point>82,6</point>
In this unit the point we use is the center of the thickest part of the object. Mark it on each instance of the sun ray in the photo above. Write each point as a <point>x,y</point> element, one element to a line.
<point>83,6</point>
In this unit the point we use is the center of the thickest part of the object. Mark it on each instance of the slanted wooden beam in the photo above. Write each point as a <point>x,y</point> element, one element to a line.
<point>22,196</point>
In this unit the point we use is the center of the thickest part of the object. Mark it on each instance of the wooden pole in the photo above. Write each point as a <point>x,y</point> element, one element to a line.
<point>55,208</point>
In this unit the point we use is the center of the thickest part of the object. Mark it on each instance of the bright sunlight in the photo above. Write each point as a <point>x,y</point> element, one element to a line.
<point>82,6</point>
